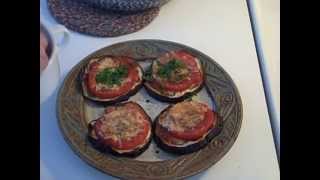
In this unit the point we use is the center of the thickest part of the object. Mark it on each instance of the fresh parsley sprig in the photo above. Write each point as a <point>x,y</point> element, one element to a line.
<point>112,76</point>
<point>148,74</point>
<point>166,69</point>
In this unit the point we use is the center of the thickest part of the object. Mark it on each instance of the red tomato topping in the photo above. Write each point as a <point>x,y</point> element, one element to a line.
<point>194,78</point>
<point>178,124</point>
<point>198,131</point>
<point>124,143</point>
<point>124,88</point>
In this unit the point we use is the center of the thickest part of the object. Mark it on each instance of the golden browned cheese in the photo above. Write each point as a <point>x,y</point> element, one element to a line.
<point>178,75</point>
<point>108,62</point>
<point>183,116</point>
<point>123,123</point>
<point>178,142</point>
<point>175,76</point>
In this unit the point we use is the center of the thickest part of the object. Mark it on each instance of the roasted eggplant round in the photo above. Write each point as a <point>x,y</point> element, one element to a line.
<point>111,79</point>
<point>174,76</point>
<point>124,129</point>
<point>186,127</point>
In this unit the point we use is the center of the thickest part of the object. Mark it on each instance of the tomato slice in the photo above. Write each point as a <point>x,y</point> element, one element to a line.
<point>104,93</point>
<point>194,78</point>
<point>197,132</point>
<point>124,143</point>
<point>165,135</point>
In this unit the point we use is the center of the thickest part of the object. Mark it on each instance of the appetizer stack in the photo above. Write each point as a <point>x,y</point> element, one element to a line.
<point>105,18</point>
<point>125,129</point>
<point>174,76</point>
<point>111,79</point>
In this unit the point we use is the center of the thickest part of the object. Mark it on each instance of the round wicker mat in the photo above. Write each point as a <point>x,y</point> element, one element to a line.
<point>126,5</point>
<point>85,19</point>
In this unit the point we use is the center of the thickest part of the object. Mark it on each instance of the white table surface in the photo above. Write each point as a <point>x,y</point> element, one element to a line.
<point>220,29</point>
<point>266,20</point>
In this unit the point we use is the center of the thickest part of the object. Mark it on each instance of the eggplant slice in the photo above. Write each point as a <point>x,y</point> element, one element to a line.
<point>172,99</point>
<point>93,139</point>
<point>164,98</point>
<point>118,99</point>
<point>215,131</point>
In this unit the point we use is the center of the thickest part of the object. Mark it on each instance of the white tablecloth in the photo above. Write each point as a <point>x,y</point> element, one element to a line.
<point>220,29</point>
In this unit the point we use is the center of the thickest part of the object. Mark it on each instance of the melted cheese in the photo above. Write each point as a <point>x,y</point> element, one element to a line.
<point>125,80</point>
<point>121,123</point>
<point>183,116</point>
<point>108,62</point>
<point>138,147</point>
<point>182,143</point>
<point>171,93</point>
<point>99,86</point>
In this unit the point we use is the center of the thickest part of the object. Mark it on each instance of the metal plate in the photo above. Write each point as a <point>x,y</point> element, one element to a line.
<point>74,112</point>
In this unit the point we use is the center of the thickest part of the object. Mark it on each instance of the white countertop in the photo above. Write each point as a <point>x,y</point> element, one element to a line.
<point>220,29</point>
<point>266,20</point>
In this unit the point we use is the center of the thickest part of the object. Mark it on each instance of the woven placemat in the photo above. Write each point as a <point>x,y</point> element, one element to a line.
<point>126,5</point>
<point>83,18</point>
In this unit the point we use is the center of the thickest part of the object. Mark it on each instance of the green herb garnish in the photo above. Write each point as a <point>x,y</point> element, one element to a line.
<point>189,98</point>
<point>147,75</point>
<point>166,69</point>
<point>112,76</point>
